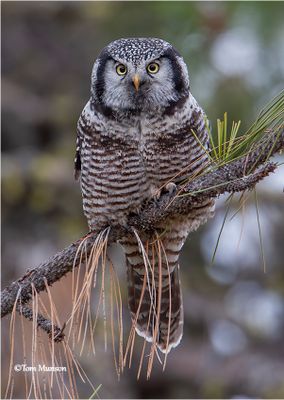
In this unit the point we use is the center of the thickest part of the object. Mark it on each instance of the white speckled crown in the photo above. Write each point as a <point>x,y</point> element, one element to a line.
<point>135,49</point>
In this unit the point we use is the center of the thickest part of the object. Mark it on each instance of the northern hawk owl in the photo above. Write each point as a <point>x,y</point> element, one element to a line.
<point>142,130</point>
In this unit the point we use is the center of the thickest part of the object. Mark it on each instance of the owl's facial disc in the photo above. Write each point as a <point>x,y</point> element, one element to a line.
<point>143,87</point>
<point>141,75</point>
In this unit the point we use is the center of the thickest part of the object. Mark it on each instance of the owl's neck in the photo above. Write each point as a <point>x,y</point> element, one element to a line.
<point>117,113</point>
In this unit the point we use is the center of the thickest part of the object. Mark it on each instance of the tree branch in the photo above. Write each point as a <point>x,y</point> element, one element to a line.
<point>236,176</point>
<point>53,331</point>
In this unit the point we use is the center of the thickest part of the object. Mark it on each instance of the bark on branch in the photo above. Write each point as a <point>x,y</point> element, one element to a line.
<point>53,331</point>
<point>236,176</point>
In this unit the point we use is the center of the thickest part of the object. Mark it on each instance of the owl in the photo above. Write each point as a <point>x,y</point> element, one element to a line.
<point>142,132</point>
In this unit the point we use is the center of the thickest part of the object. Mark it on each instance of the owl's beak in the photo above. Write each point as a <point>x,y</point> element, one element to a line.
<point>136,81</point>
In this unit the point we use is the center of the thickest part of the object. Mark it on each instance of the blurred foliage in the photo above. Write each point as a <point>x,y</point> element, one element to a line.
<point>235,53</point>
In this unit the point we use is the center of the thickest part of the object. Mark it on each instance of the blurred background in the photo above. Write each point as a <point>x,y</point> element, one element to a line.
<point>234,311</point>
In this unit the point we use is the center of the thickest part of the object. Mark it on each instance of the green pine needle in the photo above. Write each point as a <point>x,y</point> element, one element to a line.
<point>259,232</point>
<point>222,227</point>
<point>95,393</point>
<point>231,145</point>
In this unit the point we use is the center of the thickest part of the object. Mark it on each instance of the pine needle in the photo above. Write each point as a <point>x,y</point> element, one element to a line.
<point>230,146</point>
<point>222,227</point>
<point>260,232</point>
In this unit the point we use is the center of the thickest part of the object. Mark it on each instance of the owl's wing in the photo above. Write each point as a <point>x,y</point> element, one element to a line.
<point>84,129</point>
<point>208,127</point>
<point>81,127</point>
<point>77,160</point>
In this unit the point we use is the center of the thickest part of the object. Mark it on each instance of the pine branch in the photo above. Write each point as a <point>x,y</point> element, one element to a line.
<point>236,176</point>
<point>53,331</point>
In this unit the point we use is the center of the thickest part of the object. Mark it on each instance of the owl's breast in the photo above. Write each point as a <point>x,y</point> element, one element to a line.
<point>167,158</point>
<point>172,152</point>
<point>113,180</point>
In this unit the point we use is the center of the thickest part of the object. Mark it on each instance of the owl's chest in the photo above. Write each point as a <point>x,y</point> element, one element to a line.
<point>166,150</point>
<point>107,153</point>
<point>113,174</point>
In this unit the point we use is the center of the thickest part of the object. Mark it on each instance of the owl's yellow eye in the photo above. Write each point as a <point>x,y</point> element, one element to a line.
<point>153,68</point>
<point>121,69</point>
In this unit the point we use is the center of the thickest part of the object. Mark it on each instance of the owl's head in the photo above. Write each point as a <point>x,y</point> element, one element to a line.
<point>139,74</point>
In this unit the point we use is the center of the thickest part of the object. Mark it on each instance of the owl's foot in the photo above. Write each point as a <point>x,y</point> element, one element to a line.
<point>170,188</point>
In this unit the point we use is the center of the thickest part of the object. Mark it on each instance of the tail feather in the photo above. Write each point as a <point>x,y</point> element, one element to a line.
<point>155,298</point>
<point>154,290</point>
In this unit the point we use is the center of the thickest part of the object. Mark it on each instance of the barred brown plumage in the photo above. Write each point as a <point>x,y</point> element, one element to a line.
<point>131,143</point>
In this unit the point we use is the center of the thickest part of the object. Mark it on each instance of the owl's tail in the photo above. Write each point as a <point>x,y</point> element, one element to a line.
<point>154,290</point>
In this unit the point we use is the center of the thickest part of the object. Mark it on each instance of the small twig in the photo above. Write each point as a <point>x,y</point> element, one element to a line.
<point>53,331</point>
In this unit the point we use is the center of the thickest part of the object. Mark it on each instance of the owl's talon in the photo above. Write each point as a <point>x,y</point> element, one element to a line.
<point>171,187</point>
<point>157,195</point>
